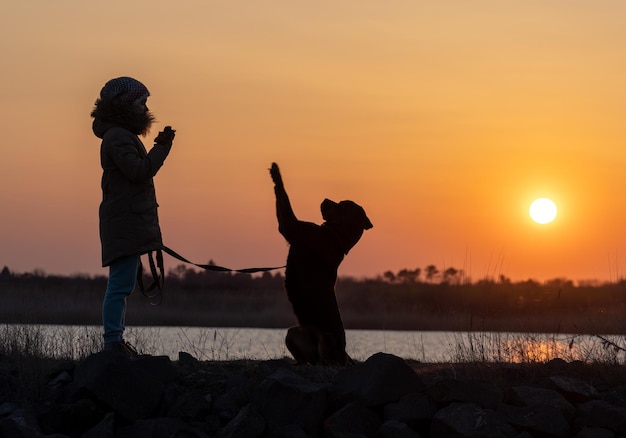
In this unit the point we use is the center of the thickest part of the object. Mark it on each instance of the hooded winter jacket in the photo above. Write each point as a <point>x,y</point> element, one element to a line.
<point>129,223</point>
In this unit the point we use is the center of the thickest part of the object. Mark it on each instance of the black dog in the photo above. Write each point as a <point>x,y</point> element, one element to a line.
<point>315,253</point>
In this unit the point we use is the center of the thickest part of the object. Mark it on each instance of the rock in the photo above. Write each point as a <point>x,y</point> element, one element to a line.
<point>159,428</point>
<point>484,394</point>
<point>20,423</point>
<point>13,429</point>
<point>381,379</point>
<point>537,396</point>
<point>104,429</point>
<point>70,417</point>
<point>415,409</point>
<point>59,380</point>
<point>396,429</point>
<point>557,365</point>
<point>186,359</point>
<point>239,390</point>
<point>468,420</point>
<point>574,390</point>
<point>598,413</point>
<point>354,419</point>
<point>6,408</point>
<point>545,421</point>
<point>287,399</point>
<point>616,396</point>
<point>120,384</point>
<point>157,368</point>
<point>189,406</point>
<point>248,423</point>
<point>595,432</point>
<point>107,395</point>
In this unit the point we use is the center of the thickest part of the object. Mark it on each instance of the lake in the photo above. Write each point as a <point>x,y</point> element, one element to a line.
<point>214,343</point>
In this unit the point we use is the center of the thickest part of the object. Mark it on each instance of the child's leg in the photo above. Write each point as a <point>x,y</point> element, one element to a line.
<point>122,279</point>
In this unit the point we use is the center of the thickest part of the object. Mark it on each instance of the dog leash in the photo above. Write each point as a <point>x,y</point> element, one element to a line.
<point>218,268</point>
<point>155,289</point>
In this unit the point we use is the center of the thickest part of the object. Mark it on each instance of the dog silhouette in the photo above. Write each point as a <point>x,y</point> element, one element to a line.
<point>315,253</point>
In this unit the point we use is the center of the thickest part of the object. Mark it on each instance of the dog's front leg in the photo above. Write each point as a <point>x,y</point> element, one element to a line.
<point>287,219</point>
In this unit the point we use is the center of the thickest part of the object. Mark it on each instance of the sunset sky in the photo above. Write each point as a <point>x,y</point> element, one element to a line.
<point>443,119</point>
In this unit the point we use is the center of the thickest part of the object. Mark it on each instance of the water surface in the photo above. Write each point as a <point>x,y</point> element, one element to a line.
<point>428,346</point>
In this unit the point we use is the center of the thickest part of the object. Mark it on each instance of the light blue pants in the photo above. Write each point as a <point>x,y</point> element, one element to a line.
<point>122,280</point>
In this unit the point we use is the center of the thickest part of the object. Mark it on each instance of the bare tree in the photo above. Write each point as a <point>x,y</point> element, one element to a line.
<point>451,275</point>
<point>431,272</point>
<point>389,276</point>
<point>409,276</point>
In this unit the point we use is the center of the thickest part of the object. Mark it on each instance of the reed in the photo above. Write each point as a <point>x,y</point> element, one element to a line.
<point>73,343</point>
<point>529,348</point>
<point>29,352</point>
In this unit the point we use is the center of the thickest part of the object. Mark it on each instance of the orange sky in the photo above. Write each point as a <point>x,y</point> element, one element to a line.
<point>444,120</point>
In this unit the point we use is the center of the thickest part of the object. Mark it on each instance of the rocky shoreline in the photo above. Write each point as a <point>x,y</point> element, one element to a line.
<point>107,395</point>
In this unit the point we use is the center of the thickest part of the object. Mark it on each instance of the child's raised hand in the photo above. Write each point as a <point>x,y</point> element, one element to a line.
<point>166,136</point>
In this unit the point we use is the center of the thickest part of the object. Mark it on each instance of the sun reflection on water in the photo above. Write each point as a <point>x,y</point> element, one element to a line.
<point>532,348</point>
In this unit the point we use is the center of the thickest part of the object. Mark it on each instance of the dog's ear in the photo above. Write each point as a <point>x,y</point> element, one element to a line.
<point>329,210</point>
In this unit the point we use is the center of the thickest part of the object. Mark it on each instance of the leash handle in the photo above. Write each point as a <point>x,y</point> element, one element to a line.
<point>158,278</point>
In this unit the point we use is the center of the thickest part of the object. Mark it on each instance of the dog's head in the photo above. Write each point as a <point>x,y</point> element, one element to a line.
<point>345,213</point>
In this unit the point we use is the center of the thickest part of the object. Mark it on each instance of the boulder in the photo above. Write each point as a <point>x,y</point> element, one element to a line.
<point>537,396</point>
<point>238,393</point>
<point>396,429</point>
<point>595,432</point>
<point>287,399</point>
<point>574,390</point>
<point>121,385</point>
<point>415,409</point>
<point>545,421</point>
<point>104,429</point>
<point>10,427</point>
<point>598,413</point>
<point>159,428</point>
<point>616,396</point>
<point>248,423</point>
<point>354,419</point>
<point>381,379</point>
<point>468,420</point>
<point>485,394</point>
<point>69,417</point>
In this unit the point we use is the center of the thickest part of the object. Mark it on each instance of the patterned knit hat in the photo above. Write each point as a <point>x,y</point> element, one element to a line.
<point>124,90</point>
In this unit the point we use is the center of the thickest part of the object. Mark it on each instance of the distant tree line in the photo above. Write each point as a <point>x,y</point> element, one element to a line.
<point>416,299</point>
<point>431,274</point>
<point>191,277</point>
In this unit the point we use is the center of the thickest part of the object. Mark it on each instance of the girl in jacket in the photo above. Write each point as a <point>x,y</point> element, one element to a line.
<point>129,224</point>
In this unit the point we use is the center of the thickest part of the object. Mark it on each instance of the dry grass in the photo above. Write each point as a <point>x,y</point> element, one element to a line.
<point>28,356</point>
<point>529,348</point>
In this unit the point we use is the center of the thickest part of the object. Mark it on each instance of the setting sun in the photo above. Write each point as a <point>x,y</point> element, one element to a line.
<point>542,210</point>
